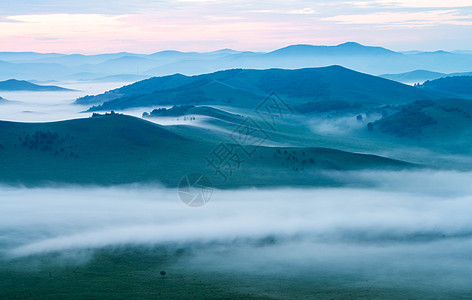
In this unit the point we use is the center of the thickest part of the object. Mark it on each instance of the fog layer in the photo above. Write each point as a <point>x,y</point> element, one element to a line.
<point>406,206</point>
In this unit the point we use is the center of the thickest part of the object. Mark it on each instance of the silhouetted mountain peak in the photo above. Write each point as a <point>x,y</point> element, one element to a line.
<point>351,44</point>
<point>349,48</point>
<point>23,85</point>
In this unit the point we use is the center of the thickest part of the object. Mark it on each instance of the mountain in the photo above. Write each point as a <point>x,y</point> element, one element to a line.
<point>362,58</point>
<point>420,76</point>
<point>128,64</point>
<point>350,55</point>
<point>303,89</point>
<point>37,71</point>
<point>77,60</point>
<point>117,149</point>
<point>21,85</point>
<point>119,78</point>
<point>346,49</point>
<point>414,76</point>
<point>27,56</point>
<point>459,86</point>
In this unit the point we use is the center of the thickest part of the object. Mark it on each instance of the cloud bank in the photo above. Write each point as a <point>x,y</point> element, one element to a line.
<point>405,206</point>
<point>412,232</point>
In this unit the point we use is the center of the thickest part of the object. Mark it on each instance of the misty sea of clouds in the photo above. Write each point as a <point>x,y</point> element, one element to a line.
<point>411,226</point>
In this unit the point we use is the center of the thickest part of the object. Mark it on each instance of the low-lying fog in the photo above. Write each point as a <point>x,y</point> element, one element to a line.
<point>25,106</point>
<point>411,223</point>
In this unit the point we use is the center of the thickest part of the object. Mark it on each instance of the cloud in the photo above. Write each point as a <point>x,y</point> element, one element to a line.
<point>423,18</point>
<point>302,11</point>
<point>145,26</point>
<point>395,210</point>
<point>387,234</point>
<point>414,3</point>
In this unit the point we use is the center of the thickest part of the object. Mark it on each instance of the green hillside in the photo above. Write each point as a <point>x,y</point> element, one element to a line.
<point>303,89</point>
<point>190,111</point>
<point>442,124</point>
<point>119,149</point>
<point>459,86</point>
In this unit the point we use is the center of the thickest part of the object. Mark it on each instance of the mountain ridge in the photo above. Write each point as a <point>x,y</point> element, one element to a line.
<point>245,87</point>
<point>23,85</point>
<point>367,59</point>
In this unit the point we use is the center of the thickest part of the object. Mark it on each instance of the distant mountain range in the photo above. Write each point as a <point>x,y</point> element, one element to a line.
<point>22,85</point>
<point>130,66</point>
<point>420,76</point>
<point>306,90</point>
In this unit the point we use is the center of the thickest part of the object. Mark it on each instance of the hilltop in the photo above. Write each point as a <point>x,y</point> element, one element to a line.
<point>22,85</point>
<point>306,90</point>
<point>118,149</point>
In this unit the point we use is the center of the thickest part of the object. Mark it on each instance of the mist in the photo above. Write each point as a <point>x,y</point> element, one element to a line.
<point>26,106</point>
<point>404,205</point>
<point>409,230</point>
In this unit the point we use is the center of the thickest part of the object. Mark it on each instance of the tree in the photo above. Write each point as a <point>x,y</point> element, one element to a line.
<point>370,127</point>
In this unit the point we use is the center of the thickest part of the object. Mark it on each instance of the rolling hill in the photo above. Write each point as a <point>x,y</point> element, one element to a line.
<point>419,76</point>
<point>191,111</point>
<point>459,86</point>
<point>22,85</point>
<point>119,149</point>
<point>302,89</point>
<point>442,124</point>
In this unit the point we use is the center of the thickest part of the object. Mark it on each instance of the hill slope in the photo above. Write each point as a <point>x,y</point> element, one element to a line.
<point>22,85</point>
<point>443,124</point>
<point>302,89</point>
<point>420,76</point>
<point>118,149</point>
<point>459,86</point>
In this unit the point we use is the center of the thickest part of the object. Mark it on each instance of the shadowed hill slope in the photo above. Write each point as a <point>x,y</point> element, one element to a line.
<point>118,149</point>
<point>301,88</point>
<point>22,85</point>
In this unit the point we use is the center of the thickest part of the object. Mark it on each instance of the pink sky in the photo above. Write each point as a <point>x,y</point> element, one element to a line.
<point>207,25</point>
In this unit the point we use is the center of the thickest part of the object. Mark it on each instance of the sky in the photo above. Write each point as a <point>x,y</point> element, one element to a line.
<point>145,26</point>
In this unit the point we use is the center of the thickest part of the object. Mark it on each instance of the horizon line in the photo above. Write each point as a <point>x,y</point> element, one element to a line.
<point>231,49</point>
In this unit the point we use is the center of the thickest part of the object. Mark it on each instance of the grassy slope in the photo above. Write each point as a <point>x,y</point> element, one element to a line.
<point>134,273</point>
<point>122,149</point>
<point>459,86</point>
<point>443,125</point>
<point>450,136</point>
